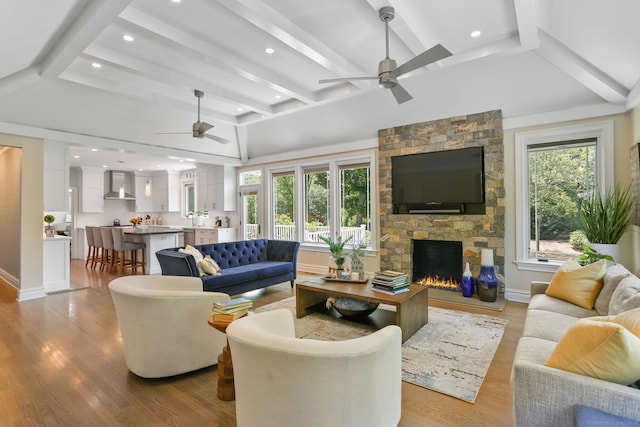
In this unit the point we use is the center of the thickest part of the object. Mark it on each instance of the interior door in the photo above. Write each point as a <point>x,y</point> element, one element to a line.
<point>251,215</point>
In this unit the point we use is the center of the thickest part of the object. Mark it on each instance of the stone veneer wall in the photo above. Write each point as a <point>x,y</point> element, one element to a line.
<point>474,231</point>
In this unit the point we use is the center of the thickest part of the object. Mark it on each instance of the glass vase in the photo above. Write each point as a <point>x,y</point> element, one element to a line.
<point>467,283</point>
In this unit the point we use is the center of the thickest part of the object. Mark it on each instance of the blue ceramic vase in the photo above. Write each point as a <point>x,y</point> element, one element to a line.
<point>467,283</point>
<point>487,281</point>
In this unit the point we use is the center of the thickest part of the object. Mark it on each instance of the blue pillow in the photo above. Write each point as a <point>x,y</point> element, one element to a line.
<point>589,417</point>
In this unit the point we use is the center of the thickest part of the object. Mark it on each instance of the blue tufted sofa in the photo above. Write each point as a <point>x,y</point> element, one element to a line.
<point>244,266</point>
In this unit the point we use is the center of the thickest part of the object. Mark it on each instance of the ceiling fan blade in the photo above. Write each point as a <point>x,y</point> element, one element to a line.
<point>401,94</point>
<point>434,54</point>
<point>173,133</point>
<point>346,79</point>
<point>201,127</point>
<point>217,138</point>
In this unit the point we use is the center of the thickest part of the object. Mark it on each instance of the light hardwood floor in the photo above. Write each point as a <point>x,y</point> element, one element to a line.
<point>62,365</point>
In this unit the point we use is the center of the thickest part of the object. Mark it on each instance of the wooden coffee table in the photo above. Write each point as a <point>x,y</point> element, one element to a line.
<point>411,307</point>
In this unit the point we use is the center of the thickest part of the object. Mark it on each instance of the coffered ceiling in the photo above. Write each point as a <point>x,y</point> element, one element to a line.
<point>532,59</point>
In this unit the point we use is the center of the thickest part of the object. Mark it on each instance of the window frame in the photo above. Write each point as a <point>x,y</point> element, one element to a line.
<point>334,165</point>
<point>603,132</point>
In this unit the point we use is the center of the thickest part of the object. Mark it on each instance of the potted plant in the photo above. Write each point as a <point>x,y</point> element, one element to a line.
<point>337,249</point>
<point>606,217</point>
<point>49,219</point>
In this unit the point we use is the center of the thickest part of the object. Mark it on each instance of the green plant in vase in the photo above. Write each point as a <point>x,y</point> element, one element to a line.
<point>337,249</point>
<point>49,219</point>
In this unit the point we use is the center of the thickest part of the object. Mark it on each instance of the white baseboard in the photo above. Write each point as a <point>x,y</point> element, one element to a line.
<point>31,294</point>
<point>517,296</point>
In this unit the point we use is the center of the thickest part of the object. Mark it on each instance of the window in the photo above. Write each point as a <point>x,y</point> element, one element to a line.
<point>189,202</point>
<point>355,191</point>
<point>561,176</point>
<point>330,199</point>
<point>250,177</point>
<point>284,218</point>
<point>555,170</point>
<point>316,208</point>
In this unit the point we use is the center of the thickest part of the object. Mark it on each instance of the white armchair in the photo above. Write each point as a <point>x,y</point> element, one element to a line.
<point>163,321</point>
<point>284,381</point>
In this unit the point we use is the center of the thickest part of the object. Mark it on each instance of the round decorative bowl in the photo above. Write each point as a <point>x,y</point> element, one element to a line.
<point>349,307</point>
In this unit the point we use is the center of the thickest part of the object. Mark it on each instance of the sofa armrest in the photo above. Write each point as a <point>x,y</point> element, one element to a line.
<point>544,396</point>
<point>283,250</point>
<point>538,287</point>
<point>174,263</point>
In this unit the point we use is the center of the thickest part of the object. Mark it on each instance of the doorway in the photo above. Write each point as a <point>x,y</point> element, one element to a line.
<point>250,202</point>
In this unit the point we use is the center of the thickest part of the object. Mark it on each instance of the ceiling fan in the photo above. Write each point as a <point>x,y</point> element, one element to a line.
<point>388,72</point>
<point>199,128</point>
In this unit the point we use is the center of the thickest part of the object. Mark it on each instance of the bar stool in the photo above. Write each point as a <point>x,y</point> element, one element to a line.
<point>91,248</point>
<point>97,242</point>
<point>108,253</point>
<point>122,247</point>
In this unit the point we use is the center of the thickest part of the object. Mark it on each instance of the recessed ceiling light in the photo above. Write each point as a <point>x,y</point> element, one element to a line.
<point>96,65</point>
<point>176,1</point>
<point>104,166</point>
<point>240,109</point>
<point>76,157</point>
<point>127,38</point>
<point>94,149</point>
<point>278,96</point>
<point>476,33</point>
<point>140,170</point>
<point>269,50</point>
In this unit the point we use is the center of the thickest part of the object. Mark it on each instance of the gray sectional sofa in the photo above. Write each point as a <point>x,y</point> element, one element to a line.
<point>544,396</point>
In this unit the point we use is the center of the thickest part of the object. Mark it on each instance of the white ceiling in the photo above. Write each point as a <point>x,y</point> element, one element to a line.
<point>539,58</point>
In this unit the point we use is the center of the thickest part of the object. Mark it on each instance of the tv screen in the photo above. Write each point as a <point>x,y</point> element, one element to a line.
<point>440,177</point>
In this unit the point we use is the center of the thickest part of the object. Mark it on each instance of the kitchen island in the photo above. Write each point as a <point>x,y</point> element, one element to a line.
<point>155,238</point>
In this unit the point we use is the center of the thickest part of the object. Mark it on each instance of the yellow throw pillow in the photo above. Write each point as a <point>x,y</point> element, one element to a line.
<point>577,284</point>
<point>601,347</point>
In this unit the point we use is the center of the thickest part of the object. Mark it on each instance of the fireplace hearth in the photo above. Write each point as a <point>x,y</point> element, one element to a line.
<point>437,264</point>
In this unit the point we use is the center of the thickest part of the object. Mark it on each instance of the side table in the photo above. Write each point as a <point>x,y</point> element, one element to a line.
<point>226,388</point>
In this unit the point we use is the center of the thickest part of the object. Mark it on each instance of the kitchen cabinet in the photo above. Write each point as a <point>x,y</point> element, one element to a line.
<point>92,189</point>
<point>217,189</point>
<point>57,268</point>
<point>144,202</point>
<point>56,176</point>
<point>166,191</point>
<point>215,235</point>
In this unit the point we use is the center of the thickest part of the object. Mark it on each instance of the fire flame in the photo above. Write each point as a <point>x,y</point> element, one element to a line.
<point>439,282</point>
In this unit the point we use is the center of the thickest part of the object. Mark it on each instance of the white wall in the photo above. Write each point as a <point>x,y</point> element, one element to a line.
<point>31,208</point>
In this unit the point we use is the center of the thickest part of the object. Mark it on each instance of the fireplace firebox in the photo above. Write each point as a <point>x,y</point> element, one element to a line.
<point>437,263</point>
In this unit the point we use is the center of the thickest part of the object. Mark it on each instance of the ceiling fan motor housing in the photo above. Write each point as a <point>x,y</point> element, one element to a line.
<point>385,73</point>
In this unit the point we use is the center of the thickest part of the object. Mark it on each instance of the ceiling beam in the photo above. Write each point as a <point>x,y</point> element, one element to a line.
<point>216,55</point>
<point>267,19</point>
<point>634,96</point>
<point>137,93</point>
<point>19,79</point>
<point>92,20</point>
<point>167,75</point>
<point>580,70</point>
<point>527,19</point>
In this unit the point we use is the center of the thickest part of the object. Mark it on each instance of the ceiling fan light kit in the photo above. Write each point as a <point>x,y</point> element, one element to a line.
<point>388,71</point>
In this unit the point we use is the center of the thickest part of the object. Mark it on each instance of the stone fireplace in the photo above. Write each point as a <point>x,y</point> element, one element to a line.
<point>474,231</point>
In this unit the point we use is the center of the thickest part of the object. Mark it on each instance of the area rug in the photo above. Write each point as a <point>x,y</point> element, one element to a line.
<point>451,354</point>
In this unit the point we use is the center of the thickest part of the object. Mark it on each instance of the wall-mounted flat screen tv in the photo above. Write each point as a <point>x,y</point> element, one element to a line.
<point>440,177</point>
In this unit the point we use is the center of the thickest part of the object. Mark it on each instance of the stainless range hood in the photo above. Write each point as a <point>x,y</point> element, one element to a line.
<point>118,187</point>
